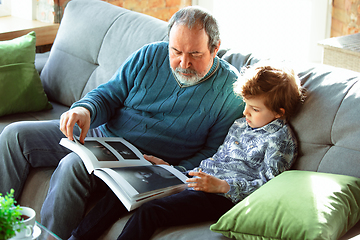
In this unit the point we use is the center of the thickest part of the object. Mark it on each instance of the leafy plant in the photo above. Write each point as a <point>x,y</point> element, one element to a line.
<point>10,216</point>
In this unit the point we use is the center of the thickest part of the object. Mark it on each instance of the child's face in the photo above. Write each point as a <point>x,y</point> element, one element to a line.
<point>257,114</point>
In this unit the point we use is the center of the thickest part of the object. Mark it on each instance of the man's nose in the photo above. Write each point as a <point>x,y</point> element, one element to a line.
<point>185,61</point>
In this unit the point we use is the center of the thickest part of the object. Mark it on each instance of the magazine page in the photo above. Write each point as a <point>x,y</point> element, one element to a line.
<point>106,152</point>
<point>114,186</point>
<point>135,185</point>
<point>176,172</point>
<point>145,180</point>
<point>128,202</point>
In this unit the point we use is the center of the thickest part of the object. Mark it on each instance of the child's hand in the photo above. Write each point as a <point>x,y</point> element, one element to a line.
<point>207,183</point>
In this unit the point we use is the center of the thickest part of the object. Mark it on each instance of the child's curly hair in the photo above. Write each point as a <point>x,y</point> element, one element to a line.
<point>280,87</point>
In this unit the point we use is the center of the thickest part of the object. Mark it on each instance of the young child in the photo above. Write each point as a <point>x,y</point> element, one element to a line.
<point>258,147</point>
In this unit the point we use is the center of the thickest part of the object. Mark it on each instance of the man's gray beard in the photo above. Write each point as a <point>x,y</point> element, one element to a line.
<point>186,80</point>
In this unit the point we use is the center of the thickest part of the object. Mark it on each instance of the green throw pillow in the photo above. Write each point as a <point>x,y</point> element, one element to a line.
<point>295,205</point>
<point>20,85</point>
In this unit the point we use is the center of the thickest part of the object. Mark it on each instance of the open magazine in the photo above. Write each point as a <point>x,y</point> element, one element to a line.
<point>123,168</point>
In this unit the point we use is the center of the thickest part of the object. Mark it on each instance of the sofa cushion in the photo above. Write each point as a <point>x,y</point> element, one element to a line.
<point>327,125</point>
<point>239,60</point>
<point>87,52</point>
<point>51,114</point>
<point>296,205</point>
<point>20,85</point>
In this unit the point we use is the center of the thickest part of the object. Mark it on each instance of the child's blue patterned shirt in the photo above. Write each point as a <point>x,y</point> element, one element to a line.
<point>249,158</point>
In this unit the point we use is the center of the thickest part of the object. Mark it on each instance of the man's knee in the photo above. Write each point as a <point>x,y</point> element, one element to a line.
<point>72,163</point>
<point>13,130</point>
<point>24,130</point>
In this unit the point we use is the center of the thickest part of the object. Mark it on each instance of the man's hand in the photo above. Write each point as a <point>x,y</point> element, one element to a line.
<point>207,183</point>
<point>155,160</point>
<point>79,115</point>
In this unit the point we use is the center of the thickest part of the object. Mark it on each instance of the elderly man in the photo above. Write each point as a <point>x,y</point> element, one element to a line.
<point>170,99</point>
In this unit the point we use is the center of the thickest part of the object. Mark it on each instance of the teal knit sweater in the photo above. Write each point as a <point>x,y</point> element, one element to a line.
<point>144,104</point>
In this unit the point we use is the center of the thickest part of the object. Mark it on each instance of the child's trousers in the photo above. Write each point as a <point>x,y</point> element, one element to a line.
<point>186,207</point>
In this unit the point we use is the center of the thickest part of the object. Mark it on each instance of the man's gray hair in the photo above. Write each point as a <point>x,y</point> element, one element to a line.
<point>195,16</point>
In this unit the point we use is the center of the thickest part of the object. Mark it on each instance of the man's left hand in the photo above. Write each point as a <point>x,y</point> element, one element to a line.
<point>155,160</point>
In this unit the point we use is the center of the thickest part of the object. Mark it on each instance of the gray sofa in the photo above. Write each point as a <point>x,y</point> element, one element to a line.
<point>95,38</point>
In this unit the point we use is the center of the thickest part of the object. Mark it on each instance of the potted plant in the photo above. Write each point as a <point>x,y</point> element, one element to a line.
<point>10,216</point>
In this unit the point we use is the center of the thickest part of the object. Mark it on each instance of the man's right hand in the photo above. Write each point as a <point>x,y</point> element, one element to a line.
<point>68,119</point>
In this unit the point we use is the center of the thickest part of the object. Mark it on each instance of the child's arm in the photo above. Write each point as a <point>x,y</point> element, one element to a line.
<point>207,183</point>
<point>277,159</point>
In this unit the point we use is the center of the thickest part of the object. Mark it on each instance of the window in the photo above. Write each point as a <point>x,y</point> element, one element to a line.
<point>284,29</point>
<point>5,9</point>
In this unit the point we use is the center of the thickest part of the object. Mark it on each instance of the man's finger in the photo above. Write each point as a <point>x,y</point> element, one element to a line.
<point>69,129</point>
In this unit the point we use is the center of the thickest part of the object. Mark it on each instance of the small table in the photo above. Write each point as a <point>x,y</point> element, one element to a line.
<point>13,27</point>
<point>342,51</point>
<point>45,234</point>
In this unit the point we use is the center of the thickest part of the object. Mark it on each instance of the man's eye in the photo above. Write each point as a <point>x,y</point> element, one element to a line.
<point>177,52</point>
<point>196,55</point>
<point>256,110</point>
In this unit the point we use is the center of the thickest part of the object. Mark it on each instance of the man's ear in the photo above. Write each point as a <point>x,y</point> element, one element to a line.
<point>281,114</point>
<point>217,48</point>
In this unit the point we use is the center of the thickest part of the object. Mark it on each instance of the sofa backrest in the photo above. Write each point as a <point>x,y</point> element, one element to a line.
<point>328,123</point>
<point>93,40</point>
